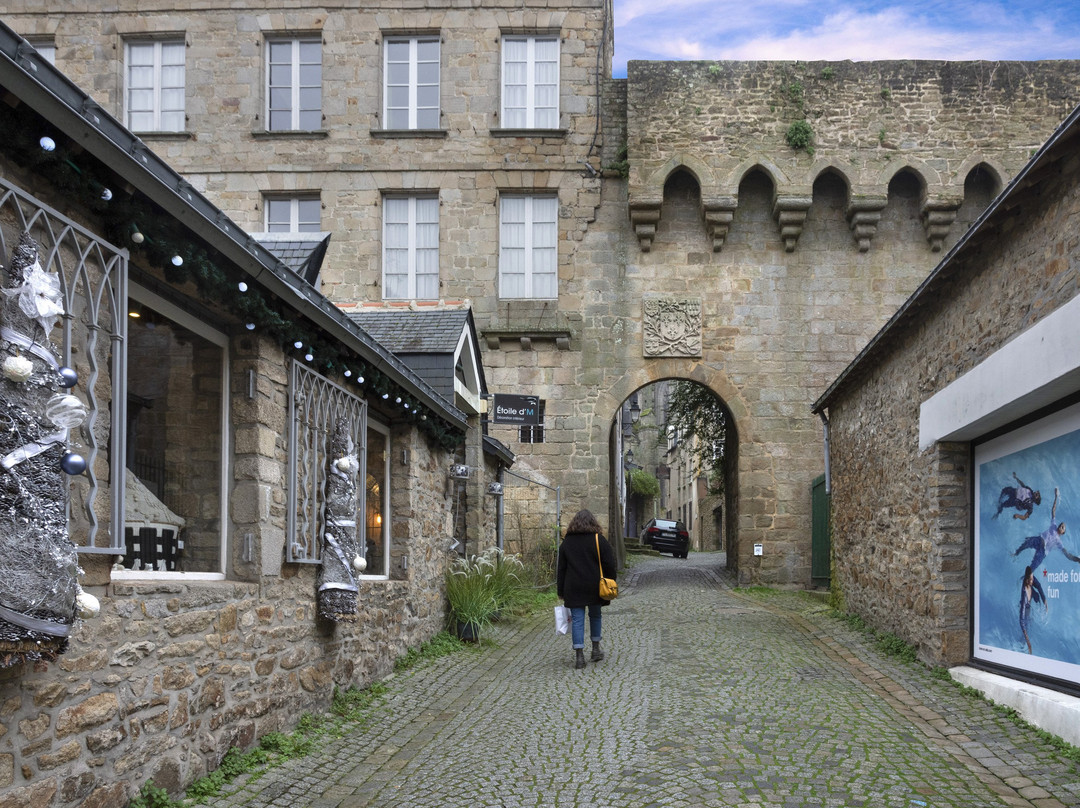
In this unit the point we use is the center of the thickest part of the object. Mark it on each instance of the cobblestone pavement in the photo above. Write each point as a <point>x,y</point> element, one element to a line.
<point>709,696</point>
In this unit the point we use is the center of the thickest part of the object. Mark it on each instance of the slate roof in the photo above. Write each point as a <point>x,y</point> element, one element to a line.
<point>301,252</point>
<point>435,331</point>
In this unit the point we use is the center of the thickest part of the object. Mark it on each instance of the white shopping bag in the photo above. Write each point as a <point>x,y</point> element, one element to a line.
<point>562,620</point>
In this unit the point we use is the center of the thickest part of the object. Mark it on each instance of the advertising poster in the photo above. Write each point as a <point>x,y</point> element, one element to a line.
<point>1027,548</point>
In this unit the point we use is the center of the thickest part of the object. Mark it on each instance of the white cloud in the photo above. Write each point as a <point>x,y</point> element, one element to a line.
<point>798,29</point>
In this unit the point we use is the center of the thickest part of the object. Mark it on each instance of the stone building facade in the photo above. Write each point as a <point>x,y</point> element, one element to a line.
<point>181,664</point>
<point>680,208</point>
<point>987,342</point>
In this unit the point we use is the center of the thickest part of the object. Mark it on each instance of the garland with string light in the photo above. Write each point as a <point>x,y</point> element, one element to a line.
<point>142,226</point>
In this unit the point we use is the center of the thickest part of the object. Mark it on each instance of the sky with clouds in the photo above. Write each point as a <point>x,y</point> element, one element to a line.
<point>811,30</point>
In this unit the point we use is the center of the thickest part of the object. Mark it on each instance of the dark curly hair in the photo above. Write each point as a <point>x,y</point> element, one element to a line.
<point>584,522</point>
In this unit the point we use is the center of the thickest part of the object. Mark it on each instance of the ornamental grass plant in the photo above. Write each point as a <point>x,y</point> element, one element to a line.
<point>481,588</point>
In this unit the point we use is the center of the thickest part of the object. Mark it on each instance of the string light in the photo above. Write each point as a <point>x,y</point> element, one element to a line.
<point>169,245</point>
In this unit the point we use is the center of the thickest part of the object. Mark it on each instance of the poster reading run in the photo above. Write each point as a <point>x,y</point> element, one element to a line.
<point>1027,548</point>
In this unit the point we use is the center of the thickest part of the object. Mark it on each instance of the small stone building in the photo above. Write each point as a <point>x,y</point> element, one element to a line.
<point>972,381</point>
<point>258,492</point>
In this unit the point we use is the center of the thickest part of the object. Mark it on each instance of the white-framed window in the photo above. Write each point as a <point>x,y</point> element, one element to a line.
<point>154,85</point>
<point>411,82</point>
<point>292,214</point>
<point>411,247</point>
<point>176,512</point>
<point>293,84</point>
<point>530,82</point>
<point>528,246</point>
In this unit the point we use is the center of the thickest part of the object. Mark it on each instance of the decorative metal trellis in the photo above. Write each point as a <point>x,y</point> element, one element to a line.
<point>93,277</point>
<point>316,404</point>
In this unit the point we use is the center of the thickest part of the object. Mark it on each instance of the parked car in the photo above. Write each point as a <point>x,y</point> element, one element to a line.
<point>667,536</point>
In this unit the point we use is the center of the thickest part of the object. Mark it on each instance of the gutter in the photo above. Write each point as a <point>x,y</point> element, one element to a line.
<point>56,98</point>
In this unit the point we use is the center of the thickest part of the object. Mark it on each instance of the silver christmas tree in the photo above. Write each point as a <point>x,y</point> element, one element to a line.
<point>38,563</point>
<point>340,550</point>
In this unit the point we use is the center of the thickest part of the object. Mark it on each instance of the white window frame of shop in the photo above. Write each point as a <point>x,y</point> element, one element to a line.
<point>411,247</point>
<point>409,74</point>
<point>530,82</point>
<point>182,318</point>
<point>160,80</point>
<point>529,246</point>
<point>286,83</point>
<point>299,210</point>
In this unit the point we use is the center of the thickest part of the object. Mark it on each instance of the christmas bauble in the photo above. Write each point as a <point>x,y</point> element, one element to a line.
<point>359,563</point>
<point>73,463</point>
<point>68,377</point>
<point>18,368</point>
<point>65,410</point>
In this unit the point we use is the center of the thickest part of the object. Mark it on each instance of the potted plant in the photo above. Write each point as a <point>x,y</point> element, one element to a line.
<point>480,588</point>
<point>472,601</point>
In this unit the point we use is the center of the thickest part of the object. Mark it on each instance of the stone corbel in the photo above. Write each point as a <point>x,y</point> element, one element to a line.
<point>644,215</point>
<point>790,213</point>
<point>937,217</point>
<point>863,215</point>
<point>718,214</point>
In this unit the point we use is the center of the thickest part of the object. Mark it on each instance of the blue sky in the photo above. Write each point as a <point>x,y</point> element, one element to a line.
<point>811,30</point>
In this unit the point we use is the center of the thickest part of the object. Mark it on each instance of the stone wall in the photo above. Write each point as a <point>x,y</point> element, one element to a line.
<point>173,673</point>
<point>901,517</point>
<point>796,259</point>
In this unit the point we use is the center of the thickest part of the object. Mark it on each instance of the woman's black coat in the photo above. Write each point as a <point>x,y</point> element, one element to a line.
<point>578,579</point>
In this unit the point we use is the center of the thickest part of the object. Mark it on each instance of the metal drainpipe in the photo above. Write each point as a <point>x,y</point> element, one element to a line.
<point>499,511</point>
<point>828,477</point>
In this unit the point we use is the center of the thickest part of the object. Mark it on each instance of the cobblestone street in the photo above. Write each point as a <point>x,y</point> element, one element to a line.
<point>709,696</point>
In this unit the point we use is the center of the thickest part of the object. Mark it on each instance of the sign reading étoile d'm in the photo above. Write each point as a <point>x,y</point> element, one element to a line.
<point>519,410</point>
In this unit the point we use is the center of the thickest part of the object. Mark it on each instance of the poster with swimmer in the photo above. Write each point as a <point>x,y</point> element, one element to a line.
<point>1027,548</point>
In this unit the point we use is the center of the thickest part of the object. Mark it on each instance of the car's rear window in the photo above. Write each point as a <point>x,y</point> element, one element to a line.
<point>664,524</point>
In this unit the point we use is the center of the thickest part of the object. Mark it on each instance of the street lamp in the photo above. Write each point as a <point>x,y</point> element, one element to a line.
<point>635,410</point>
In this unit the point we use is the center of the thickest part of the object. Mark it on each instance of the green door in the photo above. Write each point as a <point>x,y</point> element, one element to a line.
<point>820,542</point>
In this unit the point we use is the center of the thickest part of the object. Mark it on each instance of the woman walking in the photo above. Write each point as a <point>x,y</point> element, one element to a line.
<point>581,554</point>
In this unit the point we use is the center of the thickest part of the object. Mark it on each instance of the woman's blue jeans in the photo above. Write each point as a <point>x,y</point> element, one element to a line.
<point>577,624</point>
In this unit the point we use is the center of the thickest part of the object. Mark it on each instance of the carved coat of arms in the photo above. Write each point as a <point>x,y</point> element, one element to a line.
<point>671,327</point>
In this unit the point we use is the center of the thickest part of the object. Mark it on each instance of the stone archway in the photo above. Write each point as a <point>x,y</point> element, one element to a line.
<point>743,478</point>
